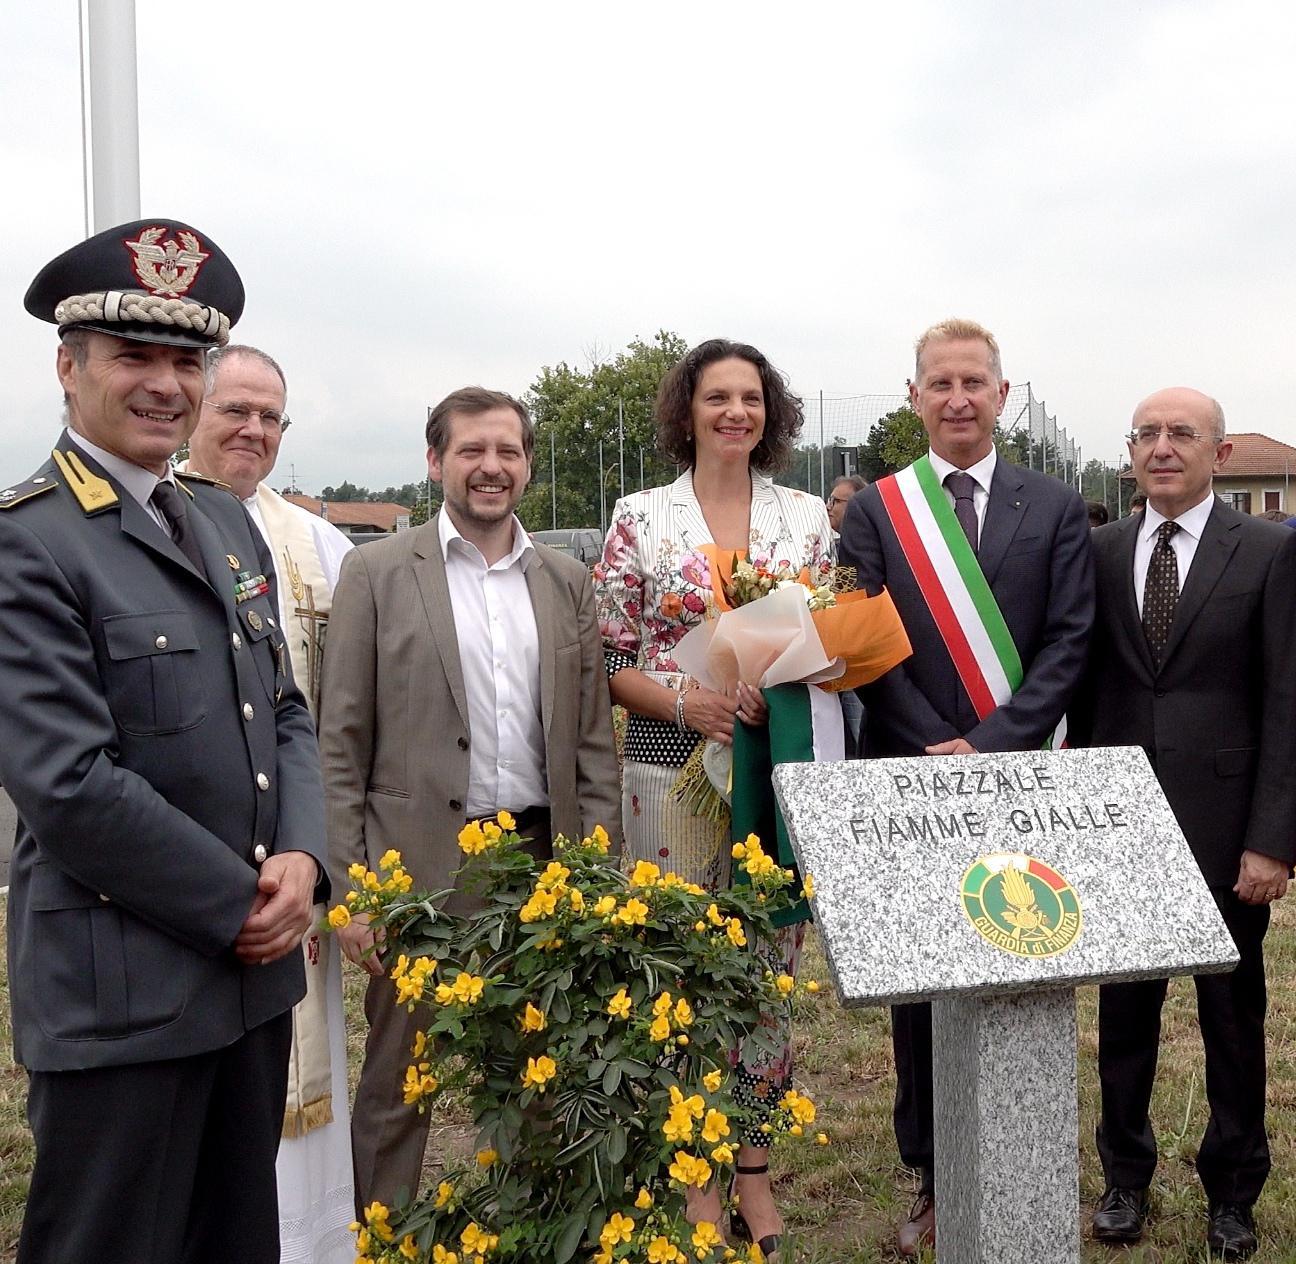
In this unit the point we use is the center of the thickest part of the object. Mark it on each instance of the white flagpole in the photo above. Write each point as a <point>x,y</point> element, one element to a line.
<point>114,111</point>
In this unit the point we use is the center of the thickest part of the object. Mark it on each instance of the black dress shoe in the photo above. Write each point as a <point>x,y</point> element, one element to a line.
<point>1119,1215</point>
<point>1231,1232</point>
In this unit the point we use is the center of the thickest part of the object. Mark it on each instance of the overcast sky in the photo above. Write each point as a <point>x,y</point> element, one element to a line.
<point>419,196</point>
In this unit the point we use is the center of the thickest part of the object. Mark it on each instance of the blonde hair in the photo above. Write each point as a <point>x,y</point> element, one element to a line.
<point>957,329</point>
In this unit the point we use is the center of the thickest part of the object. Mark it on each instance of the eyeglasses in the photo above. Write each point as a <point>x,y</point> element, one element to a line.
<point>1179,436</point>
<point>241,414</point>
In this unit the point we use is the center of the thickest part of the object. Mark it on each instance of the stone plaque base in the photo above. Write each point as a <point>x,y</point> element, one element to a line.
<point>1007,1158</point>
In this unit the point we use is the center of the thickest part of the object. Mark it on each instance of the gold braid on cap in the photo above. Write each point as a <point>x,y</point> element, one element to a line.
<point>145,309</point>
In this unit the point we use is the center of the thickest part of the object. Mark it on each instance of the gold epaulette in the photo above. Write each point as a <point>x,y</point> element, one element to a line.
<point>19,492</point>
<point>94,494</point>
<point>194,476</point>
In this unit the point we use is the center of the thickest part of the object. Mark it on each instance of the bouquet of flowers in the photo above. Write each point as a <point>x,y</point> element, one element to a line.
<point>589,1015</point>
<point>748,582</point>
<point>773,628</point>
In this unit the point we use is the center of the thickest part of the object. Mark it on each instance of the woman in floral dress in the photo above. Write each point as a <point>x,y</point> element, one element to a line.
<point>726,415</point>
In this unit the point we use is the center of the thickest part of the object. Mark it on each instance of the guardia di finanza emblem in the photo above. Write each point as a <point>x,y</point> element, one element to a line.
<point>1021,905</point>
<point>167,268</point>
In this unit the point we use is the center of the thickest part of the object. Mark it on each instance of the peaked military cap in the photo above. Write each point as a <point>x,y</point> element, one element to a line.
<point>156,280</point>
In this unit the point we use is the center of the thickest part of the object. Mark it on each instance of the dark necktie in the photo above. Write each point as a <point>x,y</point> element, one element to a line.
<point>171,505</point>
<point>962,486</point>
<point>1161,591</point>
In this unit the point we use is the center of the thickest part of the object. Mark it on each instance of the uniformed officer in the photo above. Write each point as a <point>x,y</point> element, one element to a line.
<point>166,778</point>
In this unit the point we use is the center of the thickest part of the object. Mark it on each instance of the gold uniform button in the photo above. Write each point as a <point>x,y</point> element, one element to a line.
<point>263,782</point>
<point>104,898</point>
<point>237,640</point>
<point>161,642</point>
<point>248,713</point>
<point>259,853</point>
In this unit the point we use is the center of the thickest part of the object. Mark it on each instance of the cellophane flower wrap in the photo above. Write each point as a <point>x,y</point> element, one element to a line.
<point>777,627</point>
<point>589,1016</point>
<point>774,626</point>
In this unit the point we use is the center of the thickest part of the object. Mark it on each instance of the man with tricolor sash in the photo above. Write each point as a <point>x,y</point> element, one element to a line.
<point>989,566</point>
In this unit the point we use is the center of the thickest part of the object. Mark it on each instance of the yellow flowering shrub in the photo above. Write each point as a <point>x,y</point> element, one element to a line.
<point>588,1015</point>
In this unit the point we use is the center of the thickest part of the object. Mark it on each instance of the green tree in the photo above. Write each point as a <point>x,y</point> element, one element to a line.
<point>894,441</point>
<point>1015,447</point>
<point>345,492</point>
<point>426,502</point>
<point>581,409</point>
<point>408,494</point>
<point>1101,482</point>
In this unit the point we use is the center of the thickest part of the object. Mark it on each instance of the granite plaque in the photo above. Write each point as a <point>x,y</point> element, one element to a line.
<point>998,873</point>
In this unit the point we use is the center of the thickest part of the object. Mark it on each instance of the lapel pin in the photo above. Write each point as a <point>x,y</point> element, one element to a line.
<point>232,560</point>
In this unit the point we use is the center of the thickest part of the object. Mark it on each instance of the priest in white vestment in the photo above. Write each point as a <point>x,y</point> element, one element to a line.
<point>237,441</point>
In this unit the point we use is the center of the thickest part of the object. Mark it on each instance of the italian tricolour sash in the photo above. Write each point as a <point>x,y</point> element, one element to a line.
<point>958,597</point>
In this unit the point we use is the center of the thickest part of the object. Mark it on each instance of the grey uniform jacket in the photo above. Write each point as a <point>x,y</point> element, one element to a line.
<point>152,741</point>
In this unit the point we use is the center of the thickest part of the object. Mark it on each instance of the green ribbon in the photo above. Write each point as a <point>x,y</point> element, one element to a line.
<point>788,738</point>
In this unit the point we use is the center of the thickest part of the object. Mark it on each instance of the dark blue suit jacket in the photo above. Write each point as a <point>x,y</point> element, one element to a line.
<point>1218,716</point>
<point>1035,553</point>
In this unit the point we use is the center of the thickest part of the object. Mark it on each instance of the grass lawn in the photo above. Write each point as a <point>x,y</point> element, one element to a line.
<point>843,1201</point>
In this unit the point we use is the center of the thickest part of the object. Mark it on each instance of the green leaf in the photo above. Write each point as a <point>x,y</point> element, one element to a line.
<point>569,1154</point>
<point>612,1077</point>
<point>616,1144</point>
<point>569,1239</point>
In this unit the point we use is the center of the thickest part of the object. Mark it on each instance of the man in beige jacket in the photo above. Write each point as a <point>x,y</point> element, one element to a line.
<point>464,675</point>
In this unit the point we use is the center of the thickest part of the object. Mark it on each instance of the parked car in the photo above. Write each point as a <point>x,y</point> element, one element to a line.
<point>583,543</point>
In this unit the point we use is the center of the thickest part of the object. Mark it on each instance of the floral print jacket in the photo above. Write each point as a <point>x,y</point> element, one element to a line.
<point>652,585</point>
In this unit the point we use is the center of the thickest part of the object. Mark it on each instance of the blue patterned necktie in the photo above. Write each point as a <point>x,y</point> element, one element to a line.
<point>962,486</point>
<point>1161,591</point>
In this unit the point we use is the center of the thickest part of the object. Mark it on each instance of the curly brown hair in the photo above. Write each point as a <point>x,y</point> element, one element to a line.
<point>784,414</point>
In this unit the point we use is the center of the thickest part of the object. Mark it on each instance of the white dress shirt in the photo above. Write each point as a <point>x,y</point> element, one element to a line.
<point>982,472</point>
<point>138,481</point>
<point>499,653</point>
<point>1184,542</point>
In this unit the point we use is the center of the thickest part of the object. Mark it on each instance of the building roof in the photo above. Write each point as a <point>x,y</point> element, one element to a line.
<point>1258,456</point>
<point>379,515</point>
<point>1254,455</point>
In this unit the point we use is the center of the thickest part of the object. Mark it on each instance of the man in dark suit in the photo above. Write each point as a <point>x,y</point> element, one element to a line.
<point>1192,659</point>
<point>1023,541</point>
<point>167,783</point>
<point>464,674</point>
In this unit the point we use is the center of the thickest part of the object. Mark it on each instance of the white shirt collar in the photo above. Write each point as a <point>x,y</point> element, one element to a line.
<point>982,471</point>
<point>1193,520</point>
<point>138,481</point>
<point>522,546</point>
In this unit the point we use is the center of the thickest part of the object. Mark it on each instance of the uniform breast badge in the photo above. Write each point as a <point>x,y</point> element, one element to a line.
<point>247,586</point>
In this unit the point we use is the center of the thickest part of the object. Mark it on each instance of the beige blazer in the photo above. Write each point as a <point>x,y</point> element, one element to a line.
<point>394,734</point>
